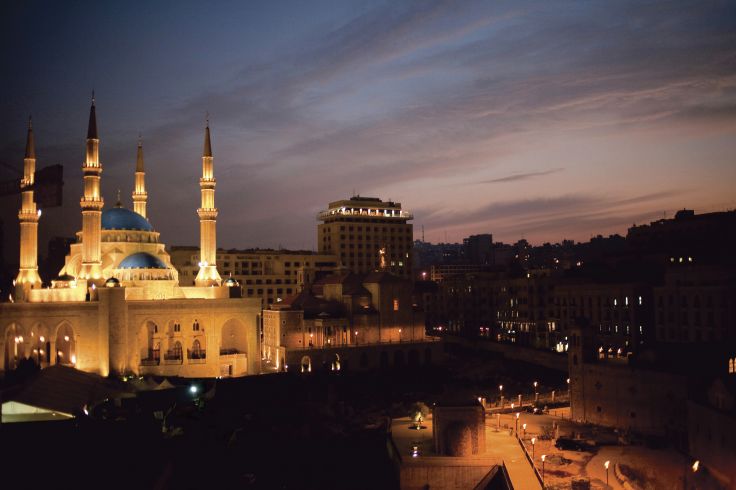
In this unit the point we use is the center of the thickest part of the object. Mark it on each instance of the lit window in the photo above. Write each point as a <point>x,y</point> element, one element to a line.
<point>640,300</point>
<point>396,304</point>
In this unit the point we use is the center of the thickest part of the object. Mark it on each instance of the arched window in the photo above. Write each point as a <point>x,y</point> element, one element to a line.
<point>732,366</point>
<point>197,352</point>
<point>177,350</point>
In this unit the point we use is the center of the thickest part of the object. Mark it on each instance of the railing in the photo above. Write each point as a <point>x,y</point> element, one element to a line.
<point>172,357</point>
<point>197,357</point>
<point>365,344</point>
<point>228,352</point>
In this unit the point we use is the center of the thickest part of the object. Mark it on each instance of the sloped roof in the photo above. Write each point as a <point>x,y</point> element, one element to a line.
<point>63,389</point>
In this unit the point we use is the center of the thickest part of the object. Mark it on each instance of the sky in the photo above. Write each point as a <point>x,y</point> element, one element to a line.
<point>534,119</point>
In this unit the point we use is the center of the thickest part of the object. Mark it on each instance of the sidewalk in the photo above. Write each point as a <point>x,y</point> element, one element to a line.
<point>506,447</point>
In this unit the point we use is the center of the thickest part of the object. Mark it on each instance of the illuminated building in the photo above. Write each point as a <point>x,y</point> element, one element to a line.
<point>270,275</point>
<point>117,306</point>
<point>367,235</point>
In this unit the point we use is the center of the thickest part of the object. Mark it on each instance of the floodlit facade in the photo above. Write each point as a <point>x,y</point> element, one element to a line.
<point>367,235</point>
<point>117,306</point>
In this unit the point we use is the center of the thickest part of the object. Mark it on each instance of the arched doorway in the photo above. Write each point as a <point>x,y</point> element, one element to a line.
<point>149,346</point>
<point>399,358</point>
<point>414,358</point>
<point>306,364</point>
<point>383,360</point>
<point>335,363</point>
<point>66,345</point>
<point>233,349</point>
<point>40,344</point>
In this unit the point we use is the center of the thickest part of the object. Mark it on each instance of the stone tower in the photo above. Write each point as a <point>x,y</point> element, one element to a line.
<point>139,192</point>
<point>28,216</point>
<point>207,275</point>
<point>91,203</point>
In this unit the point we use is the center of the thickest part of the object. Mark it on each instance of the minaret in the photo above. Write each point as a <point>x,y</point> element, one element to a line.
<point>28,217</point>
<point>91,203</point>
<point>139,193</point>
<point>208,275</point>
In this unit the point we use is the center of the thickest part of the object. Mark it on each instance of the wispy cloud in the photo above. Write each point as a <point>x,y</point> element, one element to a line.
<point>525,176</point>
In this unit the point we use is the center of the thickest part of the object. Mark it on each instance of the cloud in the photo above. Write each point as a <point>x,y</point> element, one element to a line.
<point>526,176</point>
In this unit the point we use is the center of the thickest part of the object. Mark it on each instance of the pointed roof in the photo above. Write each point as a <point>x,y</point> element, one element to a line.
<point>30,146</point>
<point>139,158</point>
<point>92,126</point>
<point>207,144</point>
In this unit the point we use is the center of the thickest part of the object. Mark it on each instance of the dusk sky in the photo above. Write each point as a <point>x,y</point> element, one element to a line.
<point>545,120</point>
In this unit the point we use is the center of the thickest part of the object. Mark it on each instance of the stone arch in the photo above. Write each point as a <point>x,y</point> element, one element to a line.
<point>14,338</point>
<point>234,350</point>
<point>198,350</point>
<point>414,357</point>
<point>335,362</point>
<point>306,364</point>
<point>65,345</point>
<point>383,360</point>
<point>149,343</point>
<point>399,358</point>
<point>40,343</point>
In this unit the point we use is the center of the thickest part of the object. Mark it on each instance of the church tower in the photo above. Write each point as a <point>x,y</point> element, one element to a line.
<point>207,275</point>
<point>139,192</point>
<point>28,217</point>
<point>91,203</point>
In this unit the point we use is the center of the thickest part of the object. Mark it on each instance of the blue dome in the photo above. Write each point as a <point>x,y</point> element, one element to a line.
<point>141,260</point>
<point>124,219</point>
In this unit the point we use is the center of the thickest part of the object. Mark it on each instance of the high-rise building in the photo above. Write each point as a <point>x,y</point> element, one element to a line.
<point>367,235</point>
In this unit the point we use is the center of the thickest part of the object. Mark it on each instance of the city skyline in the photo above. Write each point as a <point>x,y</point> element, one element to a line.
<point>544,122</point>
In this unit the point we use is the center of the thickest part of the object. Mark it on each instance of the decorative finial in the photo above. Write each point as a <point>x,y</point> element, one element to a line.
<point>140,139</point>
<point>120,203</point>
<point>30,121</point>
<point>207,118</point>
<point>93,96</point>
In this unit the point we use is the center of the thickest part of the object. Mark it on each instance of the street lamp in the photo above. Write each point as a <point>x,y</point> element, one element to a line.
<point>694,467</point>
<point>517,424</point>
<point>536,393</point>
<point>606,464</point>
<point>500,393</point>
<point>523,426</point>
<point>544,456</point>
<point>534,441</point>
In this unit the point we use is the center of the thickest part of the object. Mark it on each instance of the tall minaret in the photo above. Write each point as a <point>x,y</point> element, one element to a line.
<point>91,203</point>
<point>139,193</point>
<point>28,216</point>
<point>208,275</point>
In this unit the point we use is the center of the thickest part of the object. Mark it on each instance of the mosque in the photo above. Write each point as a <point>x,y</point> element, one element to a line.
<point>117,306</point>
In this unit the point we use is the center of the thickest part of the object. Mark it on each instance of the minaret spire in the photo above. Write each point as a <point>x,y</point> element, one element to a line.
<point>28,216</point>
<point>207,275</point>
<point>140,196</point>
<point>91,203</point>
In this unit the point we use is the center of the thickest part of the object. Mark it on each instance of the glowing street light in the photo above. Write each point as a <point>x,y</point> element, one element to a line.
<point>534,442</point>
<point>523,426</point>
<point>606,465</point>
<point>517,424</point>
<point>544,456</point>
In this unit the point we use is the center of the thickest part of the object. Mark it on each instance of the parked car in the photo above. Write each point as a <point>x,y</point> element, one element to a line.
<point>568,444</point>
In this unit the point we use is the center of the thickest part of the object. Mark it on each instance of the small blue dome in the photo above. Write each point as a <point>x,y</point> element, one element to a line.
<point>124,219</point>
<point>141,260</point>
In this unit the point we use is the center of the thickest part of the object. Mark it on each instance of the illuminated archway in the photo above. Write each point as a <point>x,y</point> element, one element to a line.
<point>306,364</point>
<point>65,345</point>
<point>149,345</point>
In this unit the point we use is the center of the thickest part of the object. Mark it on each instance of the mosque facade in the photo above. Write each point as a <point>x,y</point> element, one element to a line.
<point>116,306</point>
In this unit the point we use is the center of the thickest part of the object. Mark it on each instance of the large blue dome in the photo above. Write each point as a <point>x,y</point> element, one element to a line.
<point>124,219</point>
<point>141,260</point>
